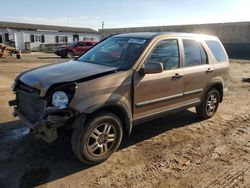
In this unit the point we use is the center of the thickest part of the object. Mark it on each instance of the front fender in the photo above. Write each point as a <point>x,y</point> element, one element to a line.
<point>116,103</point>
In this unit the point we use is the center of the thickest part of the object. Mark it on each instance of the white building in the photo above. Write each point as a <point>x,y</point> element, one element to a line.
<point>31,36</point>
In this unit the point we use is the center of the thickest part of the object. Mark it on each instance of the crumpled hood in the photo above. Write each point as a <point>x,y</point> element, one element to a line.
<point>44,77</point>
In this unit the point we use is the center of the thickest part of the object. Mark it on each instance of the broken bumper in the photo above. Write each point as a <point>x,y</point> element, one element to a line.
<point>45,128</point>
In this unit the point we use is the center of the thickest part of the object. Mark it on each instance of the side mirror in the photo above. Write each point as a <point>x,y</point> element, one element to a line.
<point>152,68</point>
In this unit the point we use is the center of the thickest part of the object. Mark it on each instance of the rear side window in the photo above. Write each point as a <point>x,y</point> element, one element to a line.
<point>217,50</point>
<point>194,53</point>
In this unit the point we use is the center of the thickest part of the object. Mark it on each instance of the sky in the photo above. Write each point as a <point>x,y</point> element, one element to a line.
<point>123,13</point>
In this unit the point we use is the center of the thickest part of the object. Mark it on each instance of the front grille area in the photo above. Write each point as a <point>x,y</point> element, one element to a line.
<point>30,105</point>
<point>26,88</point>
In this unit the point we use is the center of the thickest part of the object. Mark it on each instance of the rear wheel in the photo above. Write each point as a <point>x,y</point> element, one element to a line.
<point>209,105</point>
<point>98,139</point>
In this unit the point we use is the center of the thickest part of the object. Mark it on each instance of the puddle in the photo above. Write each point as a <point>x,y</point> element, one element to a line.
<point>15,134</point>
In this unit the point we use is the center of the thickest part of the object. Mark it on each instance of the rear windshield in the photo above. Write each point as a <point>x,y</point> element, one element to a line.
<point>217,50</point>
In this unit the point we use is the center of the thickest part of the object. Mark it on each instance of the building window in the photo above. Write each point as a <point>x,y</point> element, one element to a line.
<point>32,38</point>
<point>63,39</point>
<point>6,36</point>
<point>57,39</point>
<point>43,38</point>
<point>38,38</point>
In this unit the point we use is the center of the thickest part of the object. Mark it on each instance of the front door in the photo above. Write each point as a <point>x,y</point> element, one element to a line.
<point>154,93</point>
<point>80,48</point>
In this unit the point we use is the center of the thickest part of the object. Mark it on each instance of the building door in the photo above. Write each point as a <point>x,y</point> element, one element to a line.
<point>1,39</point>
<point>75,37</point>
<point>19,40</point>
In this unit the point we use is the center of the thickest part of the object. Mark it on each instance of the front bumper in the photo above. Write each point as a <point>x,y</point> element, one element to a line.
<point>46,128</point>
<point>50,118</point>
<point>24,119</point>
<point>37,113</point>
<point>61,52</point>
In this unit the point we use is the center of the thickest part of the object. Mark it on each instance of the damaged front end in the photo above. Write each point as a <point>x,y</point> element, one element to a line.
<point>44,114</point>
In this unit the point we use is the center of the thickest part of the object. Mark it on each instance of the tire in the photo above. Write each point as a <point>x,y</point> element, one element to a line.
<point>209,105</point>
<point>97,139</point>
<point>70,55</point>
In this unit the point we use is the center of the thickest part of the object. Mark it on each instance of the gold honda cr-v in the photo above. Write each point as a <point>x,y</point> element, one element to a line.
<point>124,80</point>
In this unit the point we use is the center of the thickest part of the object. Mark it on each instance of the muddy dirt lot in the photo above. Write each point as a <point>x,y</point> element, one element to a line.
<point>175,151</point>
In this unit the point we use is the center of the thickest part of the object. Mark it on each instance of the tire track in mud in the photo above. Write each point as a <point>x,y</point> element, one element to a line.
<point>182,161</point>
<point>232,178</point>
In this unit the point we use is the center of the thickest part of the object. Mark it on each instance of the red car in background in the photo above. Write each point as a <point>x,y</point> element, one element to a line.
<point>74,49</point>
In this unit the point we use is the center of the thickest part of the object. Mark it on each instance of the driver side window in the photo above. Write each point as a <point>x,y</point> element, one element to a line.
<point>80,44</point>
<point>167,53</point>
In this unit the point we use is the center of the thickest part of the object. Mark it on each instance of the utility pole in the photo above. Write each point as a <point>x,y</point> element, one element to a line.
<point>102,26</point>
<point>102,30</point>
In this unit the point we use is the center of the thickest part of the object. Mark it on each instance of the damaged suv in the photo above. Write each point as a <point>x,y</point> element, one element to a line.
<point>124,80</point>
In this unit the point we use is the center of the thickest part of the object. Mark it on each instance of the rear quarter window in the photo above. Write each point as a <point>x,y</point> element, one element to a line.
<point>217,50</point>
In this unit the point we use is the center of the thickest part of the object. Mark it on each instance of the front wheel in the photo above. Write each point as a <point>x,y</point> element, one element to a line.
<point>96,141</point>
<point>70,55</point>
<point>209,105</point>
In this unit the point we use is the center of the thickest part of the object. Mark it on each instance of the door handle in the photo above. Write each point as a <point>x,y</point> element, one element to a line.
<point>209,70</point>
<point>177,76</point>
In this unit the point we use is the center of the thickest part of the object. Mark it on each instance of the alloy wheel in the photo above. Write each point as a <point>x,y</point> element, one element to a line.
<point>101,140</point>
<point>212,103</point>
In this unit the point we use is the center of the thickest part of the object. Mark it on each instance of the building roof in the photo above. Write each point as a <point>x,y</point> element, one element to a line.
<point>34,27</point>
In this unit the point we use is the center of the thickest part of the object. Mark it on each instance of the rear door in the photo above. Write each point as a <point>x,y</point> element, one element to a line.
<point>197,70</point>
<point>155,93</point>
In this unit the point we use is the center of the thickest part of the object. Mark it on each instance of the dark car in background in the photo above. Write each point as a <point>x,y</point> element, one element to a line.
<point>74,49</point>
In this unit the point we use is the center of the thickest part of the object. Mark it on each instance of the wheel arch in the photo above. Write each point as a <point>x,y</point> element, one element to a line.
<point>119,109</point>
<point>217,85</point>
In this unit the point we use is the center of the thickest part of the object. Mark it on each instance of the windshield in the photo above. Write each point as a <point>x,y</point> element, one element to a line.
<point>115,52</point>
<point>72,44</point>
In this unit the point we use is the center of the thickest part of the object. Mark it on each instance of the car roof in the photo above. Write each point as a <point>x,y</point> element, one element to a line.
<point>87,41</point>
<point>151,35</point>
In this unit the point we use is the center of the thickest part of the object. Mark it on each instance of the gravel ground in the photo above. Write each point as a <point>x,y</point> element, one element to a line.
<point>178,150</point>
